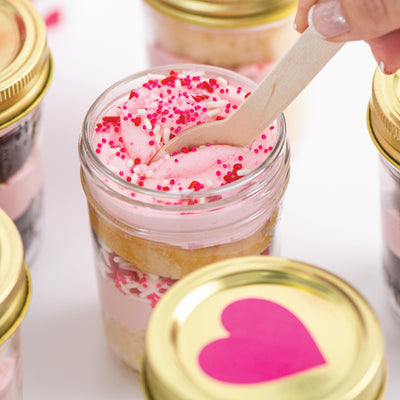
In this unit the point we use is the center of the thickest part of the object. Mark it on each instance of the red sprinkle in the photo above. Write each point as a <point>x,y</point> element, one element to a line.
<point>168,79</point>
<point>132,94</point>
<point>115,119</point>
<point>207,86</point>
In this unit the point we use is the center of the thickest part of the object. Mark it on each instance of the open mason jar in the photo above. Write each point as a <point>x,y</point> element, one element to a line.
<point>154,223</point>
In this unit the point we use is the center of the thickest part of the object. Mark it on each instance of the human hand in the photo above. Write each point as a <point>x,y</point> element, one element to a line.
<point>377,22</point>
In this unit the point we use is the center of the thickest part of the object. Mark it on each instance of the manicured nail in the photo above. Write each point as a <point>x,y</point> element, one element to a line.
<point>326,19</point>
<point>382,67</point>
<point>295,27</point>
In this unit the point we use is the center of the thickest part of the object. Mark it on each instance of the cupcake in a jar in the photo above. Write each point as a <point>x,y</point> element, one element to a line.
<point>25,74</point>
<point>153,222</point>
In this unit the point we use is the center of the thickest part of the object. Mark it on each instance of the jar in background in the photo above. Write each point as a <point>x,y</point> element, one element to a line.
<point>384,127</point>
<point>15,291</point>
<point>248,37</point>
<point>25,74</point>
<point>146,238</point>
<point>263,328</point>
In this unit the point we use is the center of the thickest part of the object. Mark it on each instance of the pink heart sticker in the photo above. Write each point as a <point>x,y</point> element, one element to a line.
<point>266,342</point>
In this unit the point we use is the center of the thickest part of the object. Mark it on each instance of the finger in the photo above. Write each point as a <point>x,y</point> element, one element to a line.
<point>300,20</point>
<point>354,19</point>
<point>386,51</point>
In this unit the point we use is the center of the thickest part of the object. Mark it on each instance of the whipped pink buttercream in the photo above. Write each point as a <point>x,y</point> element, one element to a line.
<point>131,133</point>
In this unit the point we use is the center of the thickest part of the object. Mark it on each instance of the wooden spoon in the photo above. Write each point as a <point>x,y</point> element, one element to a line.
<point>278,89</point>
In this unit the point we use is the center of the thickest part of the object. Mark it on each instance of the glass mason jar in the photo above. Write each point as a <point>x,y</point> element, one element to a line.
<point>146,238</point>
<point>263,328</point>
<point>25,74</point>
<point>15,291</point>
<point>248,37</point>
<point>384,127</point>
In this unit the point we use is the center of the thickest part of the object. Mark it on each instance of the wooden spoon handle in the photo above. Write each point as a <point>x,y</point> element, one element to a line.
<point>281,86</point>
<point>271,97</point>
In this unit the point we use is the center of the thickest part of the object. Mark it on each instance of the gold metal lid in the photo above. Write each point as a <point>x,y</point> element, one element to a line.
<point>263,328</point>
<point>384,115</point>
<point>25,62</point>
<point>15,287</point>
<point>225,13</point>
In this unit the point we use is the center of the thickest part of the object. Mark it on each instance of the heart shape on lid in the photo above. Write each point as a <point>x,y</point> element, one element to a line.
<point>266,342</point>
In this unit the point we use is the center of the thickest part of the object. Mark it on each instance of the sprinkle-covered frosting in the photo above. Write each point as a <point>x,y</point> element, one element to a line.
<point>130,134</point>
<point>130,280</point>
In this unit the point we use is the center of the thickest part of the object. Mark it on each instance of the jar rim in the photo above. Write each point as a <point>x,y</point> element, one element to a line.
<point>92,164</point>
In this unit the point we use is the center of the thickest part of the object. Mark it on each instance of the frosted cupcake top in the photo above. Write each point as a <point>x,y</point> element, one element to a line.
<point>130,133</point>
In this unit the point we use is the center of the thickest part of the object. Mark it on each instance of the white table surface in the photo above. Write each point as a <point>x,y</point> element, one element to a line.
<point>330,218</point>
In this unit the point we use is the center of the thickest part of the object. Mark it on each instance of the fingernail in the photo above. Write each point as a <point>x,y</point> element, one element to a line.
<point>382,67</point>
<point>326,19</point>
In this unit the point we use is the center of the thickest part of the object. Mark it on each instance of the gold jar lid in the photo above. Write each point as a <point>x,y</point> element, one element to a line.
<point>225,13</point>
<point>25,62</point>
<point>15,286</point>
<point>263,328</point>
<point>384,115</point>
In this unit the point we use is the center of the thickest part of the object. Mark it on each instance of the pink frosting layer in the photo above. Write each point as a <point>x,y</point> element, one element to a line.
<point>17,192</point>
<point>130,134</point>
<point>133,129</point>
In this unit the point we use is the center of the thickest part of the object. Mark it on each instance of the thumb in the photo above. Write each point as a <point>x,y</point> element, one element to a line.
<point>346,20</point>
<point>386,51</point>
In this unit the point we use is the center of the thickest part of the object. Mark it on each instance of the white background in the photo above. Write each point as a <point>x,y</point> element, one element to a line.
<point>330,219</point>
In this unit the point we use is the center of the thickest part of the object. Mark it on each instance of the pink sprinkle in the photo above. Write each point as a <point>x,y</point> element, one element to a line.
<point>263,136</point>
<point>176,160</point>
<point>121,173</point>
<point>255,150</point>
<point>53,18</point>
<point>218,173</point>
<point>151,142</point>
<point>240,158</point>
